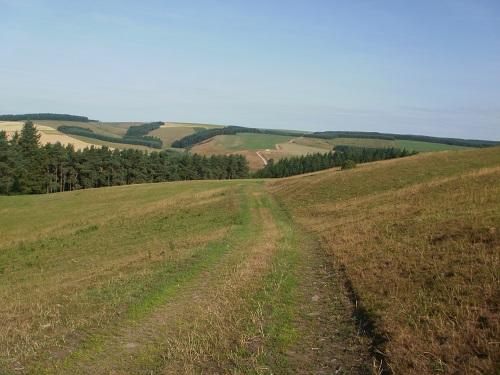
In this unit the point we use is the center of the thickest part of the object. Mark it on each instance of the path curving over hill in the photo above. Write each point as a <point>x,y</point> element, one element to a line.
<point>258,298</point>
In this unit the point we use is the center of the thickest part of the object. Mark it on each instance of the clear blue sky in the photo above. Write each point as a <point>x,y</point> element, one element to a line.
<point>411,67</point>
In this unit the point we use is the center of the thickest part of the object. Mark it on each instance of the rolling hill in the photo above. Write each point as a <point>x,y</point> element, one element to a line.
<point>258,148</point>
<point>391,267</point>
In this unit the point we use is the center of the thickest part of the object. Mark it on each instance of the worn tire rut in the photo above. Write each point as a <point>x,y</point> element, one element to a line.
<point>217,323</point>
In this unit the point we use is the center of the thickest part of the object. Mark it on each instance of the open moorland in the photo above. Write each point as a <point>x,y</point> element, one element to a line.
<point>391,267</point>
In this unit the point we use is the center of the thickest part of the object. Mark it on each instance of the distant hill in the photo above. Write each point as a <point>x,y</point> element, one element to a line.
<point>45,116</point>
<point>406,137</point>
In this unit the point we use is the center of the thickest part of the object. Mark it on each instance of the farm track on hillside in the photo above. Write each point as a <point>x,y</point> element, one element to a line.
<point>267,301</point>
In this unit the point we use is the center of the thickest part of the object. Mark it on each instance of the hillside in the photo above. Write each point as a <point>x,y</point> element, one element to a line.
<point>417,244</point>
<point>256,276</point>
<point>258,146</point>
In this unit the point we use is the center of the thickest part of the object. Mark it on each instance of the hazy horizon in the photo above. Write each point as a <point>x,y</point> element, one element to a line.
<point>423,68</point>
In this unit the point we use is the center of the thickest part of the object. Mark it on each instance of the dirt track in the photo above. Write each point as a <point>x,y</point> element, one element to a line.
<point>269,283</point>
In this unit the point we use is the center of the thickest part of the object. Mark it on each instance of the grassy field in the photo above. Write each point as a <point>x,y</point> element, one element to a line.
<point>331,143</point>
<point>392,266</point>
<point>247,141</point>
<point>427,147</point>
<point>169,134</point>
<point>167,278</point>
<point>418,243</point>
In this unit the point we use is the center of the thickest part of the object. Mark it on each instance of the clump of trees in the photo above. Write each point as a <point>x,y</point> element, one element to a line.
<point>136,137</point>
<point>405,137</point>
<point>27,167</point>
<point>142,130</point>
<point>341,156</point>
<point>348,164</point>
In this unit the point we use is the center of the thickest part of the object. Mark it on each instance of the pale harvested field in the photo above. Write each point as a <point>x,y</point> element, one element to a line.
<point>48,134</point>
<point>279,151</point>
<point>64,140</point>
<point>13,126</point>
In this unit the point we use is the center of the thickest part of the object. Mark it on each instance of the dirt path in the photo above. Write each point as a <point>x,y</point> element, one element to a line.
<point>268,303</point>
<point>263,158</point>
<point>278,147</point>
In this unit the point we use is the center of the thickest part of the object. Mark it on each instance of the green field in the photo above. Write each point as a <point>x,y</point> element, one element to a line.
<point>249,141</point>
<point>240,276</point>
<point>427,146</point>
<point>119,146</point>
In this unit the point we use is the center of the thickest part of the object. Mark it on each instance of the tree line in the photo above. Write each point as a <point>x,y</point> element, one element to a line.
<point>27,167</point>
<point>405,137</point>
<point>148,141</point>
<point>45,116</point>
<point>340,156</point>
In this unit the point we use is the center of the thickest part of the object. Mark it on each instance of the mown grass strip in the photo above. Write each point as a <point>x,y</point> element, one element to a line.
<point>151,293</point>
<point>276,303</point>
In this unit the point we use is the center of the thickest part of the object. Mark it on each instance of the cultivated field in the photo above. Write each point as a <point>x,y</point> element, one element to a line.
<point>113,129</point>
<point>331,143</point>
<point>248,144</point>
<point>427,146</point>
<point>392,266</point>
<point>172,131</point>
<point>47,133</point>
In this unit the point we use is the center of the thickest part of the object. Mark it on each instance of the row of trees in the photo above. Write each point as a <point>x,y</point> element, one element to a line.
<point>26,167</point>
<point>45,116</point>
<point>341,156</point>
<point>350,134</point>
<point>148,141</point>
<point>405,137</point>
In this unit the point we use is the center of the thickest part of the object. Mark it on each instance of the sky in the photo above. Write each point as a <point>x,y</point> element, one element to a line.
<point>426,67</point>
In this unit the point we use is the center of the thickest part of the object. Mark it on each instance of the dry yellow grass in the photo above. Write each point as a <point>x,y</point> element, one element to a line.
<point>418,240</point>
<point>47,134</point>
<point>190,276</point>
<point>13,126</point>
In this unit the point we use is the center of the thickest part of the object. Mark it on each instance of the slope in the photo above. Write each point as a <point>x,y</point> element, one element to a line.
<point>168,278</point>
<point>417,241</point>
<point>390,267</point>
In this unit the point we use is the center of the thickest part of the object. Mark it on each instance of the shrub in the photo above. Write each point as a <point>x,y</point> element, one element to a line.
<point>348,164</point>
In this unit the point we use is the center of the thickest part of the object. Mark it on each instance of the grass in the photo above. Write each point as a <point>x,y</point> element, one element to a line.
<point>427,147</point>
<point>418,241</point>
<point>359,142</point>
<point>171,134</point>
<point>257,276</point>
<point>76,275</point>
<point>247,141</point>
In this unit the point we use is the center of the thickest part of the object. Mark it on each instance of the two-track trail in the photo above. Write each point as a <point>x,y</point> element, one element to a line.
<point>263,299</point>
